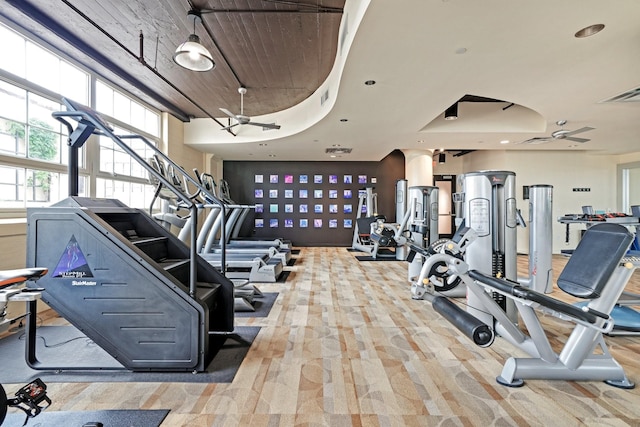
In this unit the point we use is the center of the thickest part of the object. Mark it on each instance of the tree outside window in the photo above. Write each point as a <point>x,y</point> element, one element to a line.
<point>43,145</point>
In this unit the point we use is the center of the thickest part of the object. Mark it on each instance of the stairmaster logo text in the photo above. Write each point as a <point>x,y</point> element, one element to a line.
<point>83,283</point>
<point>73,264</point>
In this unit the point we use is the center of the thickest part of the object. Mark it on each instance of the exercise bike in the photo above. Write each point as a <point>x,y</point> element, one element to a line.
<point>32,398</point>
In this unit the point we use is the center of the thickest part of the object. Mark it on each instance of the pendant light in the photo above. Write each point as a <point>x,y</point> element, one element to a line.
<point>191,54</point>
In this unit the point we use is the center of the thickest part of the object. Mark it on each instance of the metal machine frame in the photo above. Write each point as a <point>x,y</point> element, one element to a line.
<point>597,272</point>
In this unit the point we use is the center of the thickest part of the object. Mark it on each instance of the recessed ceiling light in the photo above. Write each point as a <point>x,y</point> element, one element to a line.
<point>344,120</point>
<point>336,145</point>
<point>505,141</point>
<point>589,31</point>
<point>333,156</point>
<point>461,50</point>
<point>262,144</point>
<point>272,155</point>
<point>370,82</point>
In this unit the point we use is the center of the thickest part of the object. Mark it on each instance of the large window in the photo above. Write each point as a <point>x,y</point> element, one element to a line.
<point>131,194</point>
<point>114,104</point>
<point>20,187</point>
<point>33,149</point>
<point>26,127</point>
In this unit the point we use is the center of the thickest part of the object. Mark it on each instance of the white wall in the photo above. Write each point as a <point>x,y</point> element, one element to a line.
<point>174,147</point>
<point>13,243</point>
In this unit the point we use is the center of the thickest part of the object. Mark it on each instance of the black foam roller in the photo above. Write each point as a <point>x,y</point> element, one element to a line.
<point>481,334</point>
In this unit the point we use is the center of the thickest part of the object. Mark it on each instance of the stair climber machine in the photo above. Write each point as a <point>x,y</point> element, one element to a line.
<point>233,233</point>
<point>392,236</point>
<point>260,263</point>
<point>244,293</point>
<point>126,282</point>
<point>170,205</point>
<point>276,248</point>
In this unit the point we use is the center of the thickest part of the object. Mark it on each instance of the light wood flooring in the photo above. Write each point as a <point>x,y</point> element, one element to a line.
<point>345,345</point>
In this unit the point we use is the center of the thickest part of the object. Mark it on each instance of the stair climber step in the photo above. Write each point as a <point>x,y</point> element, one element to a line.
<point>155,247</point>
<point>178,268</point>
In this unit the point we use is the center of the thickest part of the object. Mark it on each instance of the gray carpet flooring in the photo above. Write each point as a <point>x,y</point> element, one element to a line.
<point>67,346</point>
<point>109,418</point>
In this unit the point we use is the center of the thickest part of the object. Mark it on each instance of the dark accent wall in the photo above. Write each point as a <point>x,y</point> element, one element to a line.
<point>241,177</point>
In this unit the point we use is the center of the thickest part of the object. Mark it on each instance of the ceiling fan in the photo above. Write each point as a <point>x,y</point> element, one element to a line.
<point>560,134</point>
<point>241,119</point>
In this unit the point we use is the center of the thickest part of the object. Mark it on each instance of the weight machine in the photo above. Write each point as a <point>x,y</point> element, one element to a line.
<point>392,235</point>
<point>423,226</point>
<point>597,272</point>
<point>627,319</point>
<point>440,280</point>
<point>367,205</point>
<point>489,208</point>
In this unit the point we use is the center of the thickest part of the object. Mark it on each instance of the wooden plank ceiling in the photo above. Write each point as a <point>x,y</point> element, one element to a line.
<point>280,50</point>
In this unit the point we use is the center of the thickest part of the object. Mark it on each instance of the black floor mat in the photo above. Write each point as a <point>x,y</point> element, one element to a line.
<point>114,418</point>
<point>283,276</point>
<point>67,346</point>
<point>370,258</point>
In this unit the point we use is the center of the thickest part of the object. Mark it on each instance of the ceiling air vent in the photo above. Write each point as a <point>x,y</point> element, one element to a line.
<point>345,32</point>
<point>338,150</point>
<point>324,97</point>
<point>632,95</point>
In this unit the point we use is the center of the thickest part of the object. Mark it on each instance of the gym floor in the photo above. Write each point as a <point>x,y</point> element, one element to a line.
<point>344,345</point>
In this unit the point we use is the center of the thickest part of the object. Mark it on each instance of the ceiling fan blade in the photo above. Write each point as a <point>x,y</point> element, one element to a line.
<point>536,140</point>
<point>265,125</point>
<point>584,129</point>
<point>228,113</point>
<point>229,127</point>
<point>574,139</point>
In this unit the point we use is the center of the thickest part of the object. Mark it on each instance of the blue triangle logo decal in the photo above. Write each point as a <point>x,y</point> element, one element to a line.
<point>72,264</point>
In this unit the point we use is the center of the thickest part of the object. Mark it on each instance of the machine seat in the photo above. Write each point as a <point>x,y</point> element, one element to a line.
<point>13,277</point>
<point>594,259</point>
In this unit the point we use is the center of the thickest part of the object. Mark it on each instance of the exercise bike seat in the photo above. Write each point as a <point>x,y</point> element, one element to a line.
<point>13,277</point>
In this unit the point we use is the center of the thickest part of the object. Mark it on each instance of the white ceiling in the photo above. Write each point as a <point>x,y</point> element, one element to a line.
<point>521,52</point>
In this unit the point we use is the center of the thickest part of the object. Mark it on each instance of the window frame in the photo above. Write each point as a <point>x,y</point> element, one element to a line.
<point>90,161</point>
